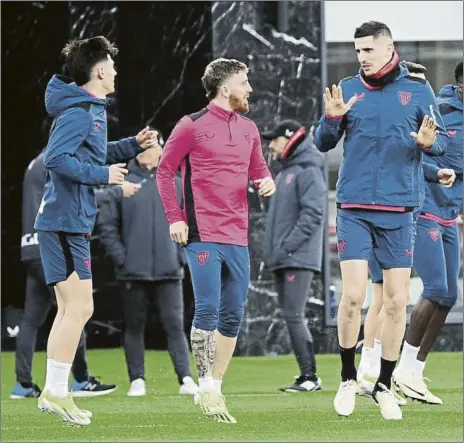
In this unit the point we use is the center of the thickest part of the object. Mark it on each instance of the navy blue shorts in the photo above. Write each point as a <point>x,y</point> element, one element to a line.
<point>436,260</point>
<point>63,253</point>
<point>388,236</point>
<point>374,265</point>
<point>220,276</point>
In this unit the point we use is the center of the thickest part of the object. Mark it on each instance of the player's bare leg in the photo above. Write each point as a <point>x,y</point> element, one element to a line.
<point>76,300</point>
<point>354,281</point>
<point>396,295</point>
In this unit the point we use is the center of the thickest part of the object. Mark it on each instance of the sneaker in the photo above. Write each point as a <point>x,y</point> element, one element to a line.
<point>188,386</point>
<point>90,388</point>
<point>400,400</point>
<point>366,383</point>
<point>345,399</point>
<point>138,388</point>
<point>304,383</point>
<point>411,384</point>
<point>430,398</point>
<point>213,405</point>
<point>389,408</point>
<point>19,391</point>
<point>63,407</point>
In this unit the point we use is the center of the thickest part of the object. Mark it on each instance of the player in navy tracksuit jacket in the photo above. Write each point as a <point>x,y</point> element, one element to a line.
<point>75,159</point>
<point>389,120</point>
<point>437,253</point>
<point>369,365</point>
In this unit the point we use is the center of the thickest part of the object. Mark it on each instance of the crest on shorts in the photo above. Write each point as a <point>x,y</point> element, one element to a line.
<point>289,178</point>
<point>341,246</point>
<point>404,97</point>
<point>87,263</point>
<point>434,233</point>
<point>202,257</point>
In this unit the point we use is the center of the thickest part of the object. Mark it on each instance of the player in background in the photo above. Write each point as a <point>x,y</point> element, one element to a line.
<point>437,253</point>
<point>75,159</point>
<point>388,124</point>
<point>218,150</point>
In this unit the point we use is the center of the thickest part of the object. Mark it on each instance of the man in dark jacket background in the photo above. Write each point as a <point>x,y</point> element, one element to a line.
<point>149,265</point>
<point>294,237</point>
<point>40,297</point>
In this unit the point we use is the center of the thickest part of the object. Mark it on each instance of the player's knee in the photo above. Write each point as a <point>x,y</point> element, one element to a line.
<point>87,311</point>
<point>173,325</point>
<point>229,323</point>
<point>352,300</point>
<point>450,299</point>
<point>293,317</point>
<point>206,316</point>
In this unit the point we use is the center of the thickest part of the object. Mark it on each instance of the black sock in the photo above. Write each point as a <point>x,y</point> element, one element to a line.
<point>26,385</point>
<point>348,367</point>
<point>386,371</point>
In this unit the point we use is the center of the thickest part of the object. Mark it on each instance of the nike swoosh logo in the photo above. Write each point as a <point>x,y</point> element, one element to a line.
<point>411,389</point>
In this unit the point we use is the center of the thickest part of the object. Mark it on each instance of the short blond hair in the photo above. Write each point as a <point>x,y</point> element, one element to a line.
<point>217,72</point>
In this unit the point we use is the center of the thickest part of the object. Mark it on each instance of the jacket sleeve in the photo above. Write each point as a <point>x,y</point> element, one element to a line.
<point>72,127</point>
<point>122,151</point>
<point>258,168</point>
<point>178,146</point>
<point>430,172</point>
<point>104,195</point>
<point>109,221</point>
<point>312,202</point>
<point>429,106</point>
<point>328,132</point>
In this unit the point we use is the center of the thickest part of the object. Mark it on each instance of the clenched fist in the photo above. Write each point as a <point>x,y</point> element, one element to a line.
<point>117,173</point>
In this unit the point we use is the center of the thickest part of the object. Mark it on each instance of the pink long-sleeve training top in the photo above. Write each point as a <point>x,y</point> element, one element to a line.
<point>218,151</point>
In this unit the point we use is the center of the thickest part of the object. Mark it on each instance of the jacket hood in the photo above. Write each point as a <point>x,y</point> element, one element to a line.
<point>305,155</point>
<point>449,95</point>
<point>62,92</point>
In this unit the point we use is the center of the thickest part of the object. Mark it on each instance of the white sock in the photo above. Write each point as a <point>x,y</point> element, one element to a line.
<point>206,383</point>
<point>377,351</point>
<point>218,385</point>
<point>419,366</point>
<point>366,358</point>
<point>408,357</point>
<point>59,378</point>
<point>48,373</point>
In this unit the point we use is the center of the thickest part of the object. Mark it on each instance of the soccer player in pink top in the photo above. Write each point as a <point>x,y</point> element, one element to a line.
<point>218,150</point>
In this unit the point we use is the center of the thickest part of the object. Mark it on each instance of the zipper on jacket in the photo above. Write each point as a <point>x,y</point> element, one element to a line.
<point>374,186</point>
<point>228,124</point>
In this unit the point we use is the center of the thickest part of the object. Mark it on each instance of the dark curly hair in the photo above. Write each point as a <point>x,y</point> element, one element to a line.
<point>217,72</point>
<point>82,55</point>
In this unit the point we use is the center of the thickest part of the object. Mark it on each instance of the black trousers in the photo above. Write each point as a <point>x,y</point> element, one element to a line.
<point>293,288</point>
<point>39,299</point>
<point>168,298</point>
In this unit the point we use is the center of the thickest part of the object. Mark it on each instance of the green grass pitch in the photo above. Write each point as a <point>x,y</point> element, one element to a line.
<point>251,388</point>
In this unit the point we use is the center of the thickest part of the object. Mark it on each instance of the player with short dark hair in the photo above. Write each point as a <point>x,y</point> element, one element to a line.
<point>75,159</point>
<point>390,120</point>
<point>218,151</point>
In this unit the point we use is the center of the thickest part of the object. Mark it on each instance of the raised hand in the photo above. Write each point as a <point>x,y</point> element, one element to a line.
<point>427,133</point>
<point>334,105</point>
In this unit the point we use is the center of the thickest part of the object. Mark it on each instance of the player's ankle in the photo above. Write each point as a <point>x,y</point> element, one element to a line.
<point>206,383</point>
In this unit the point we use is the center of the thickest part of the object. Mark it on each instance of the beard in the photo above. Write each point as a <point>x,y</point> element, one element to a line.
<point>238,104</point>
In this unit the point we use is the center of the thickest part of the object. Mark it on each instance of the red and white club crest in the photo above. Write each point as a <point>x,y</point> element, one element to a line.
<point>341,246</point>
<point>289,178</point>
<point>404,97</point>
<point>87,263</point>
<point>202,257</point>
<point>434,233</point>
